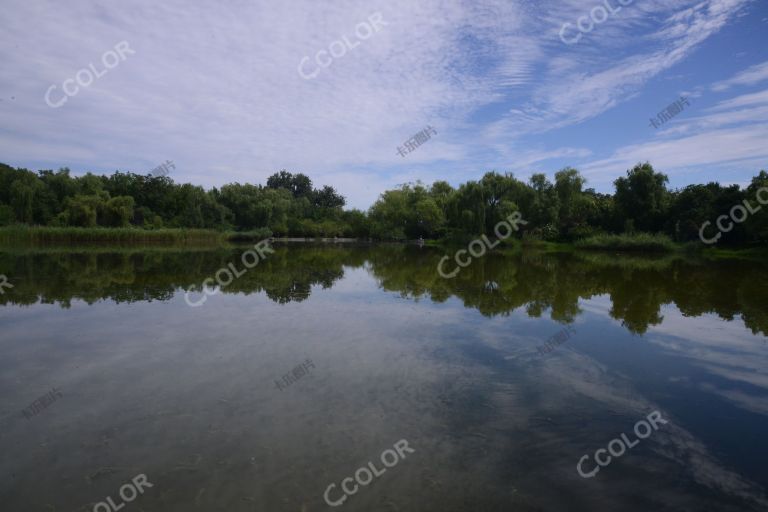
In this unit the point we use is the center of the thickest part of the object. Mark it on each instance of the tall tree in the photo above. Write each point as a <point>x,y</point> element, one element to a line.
<point>642,198</point>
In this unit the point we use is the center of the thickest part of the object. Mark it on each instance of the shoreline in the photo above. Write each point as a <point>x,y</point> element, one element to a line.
<point>14,238</point>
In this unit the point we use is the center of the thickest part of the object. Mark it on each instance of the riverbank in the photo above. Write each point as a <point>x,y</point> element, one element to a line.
<point>46,236</point>
<point>640,245</point>
<point>641,242</point>
<point>52,237</point>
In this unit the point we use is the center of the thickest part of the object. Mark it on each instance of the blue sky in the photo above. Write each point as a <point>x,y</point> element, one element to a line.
<point>217,89</point>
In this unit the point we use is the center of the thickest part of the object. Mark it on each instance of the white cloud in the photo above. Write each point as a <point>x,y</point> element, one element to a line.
<point>754,75</point>
<point>598,76</point>
<point>726,134</point>
<point>216,89</point>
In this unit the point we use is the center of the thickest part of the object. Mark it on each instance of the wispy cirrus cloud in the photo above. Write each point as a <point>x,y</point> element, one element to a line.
<point>751,76</point>
<point>597,77</point>
<point>216,88</point>
<point>733,131</point>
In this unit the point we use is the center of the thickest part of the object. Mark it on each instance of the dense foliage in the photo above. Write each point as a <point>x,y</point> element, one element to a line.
<point>563,210</point>
<point>288,204</point>
<point>566,211</point>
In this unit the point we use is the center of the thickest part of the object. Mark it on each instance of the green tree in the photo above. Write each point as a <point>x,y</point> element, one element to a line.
<point>545,207</point>
<point>118,211</point>
<point>642,197</point>
<point>573,206</point>
<point>83,210</point>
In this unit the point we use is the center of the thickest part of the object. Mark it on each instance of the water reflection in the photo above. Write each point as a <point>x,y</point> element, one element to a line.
<point>188,397</point>
<point>494,285</point>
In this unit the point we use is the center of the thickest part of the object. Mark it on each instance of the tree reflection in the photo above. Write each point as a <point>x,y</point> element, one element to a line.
<point>496,284</point>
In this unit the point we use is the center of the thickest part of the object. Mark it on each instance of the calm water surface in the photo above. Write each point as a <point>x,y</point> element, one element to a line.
<point>194,398</point>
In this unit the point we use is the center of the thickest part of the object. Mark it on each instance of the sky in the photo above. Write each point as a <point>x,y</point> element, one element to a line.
<point>234,91</point>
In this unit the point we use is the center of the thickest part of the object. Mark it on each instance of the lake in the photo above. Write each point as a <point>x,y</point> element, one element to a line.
<point>355,377</point>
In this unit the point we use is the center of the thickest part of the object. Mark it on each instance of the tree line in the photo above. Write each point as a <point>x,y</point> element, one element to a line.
<point>566,211</point>
<point>289,205</point>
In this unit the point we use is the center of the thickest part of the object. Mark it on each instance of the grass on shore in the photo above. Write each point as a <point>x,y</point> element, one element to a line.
<point>639,242</point>
<point>46,235</point>
<point>51,237</point>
